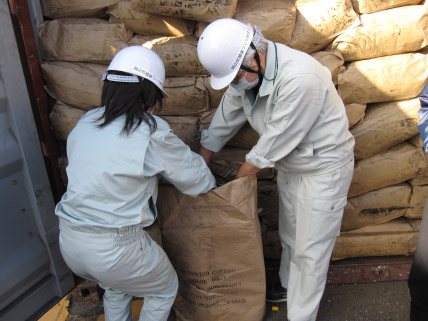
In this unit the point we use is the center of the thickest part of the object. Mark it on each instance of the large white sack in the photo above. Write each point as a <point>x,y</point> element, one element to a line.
<point>74,8</point>
<point>385,33</point>
<point>199,10</point>
<point>370,6</point>
<point>318,22</point>
<point>179,54</point>
<point>383,79</point>
<point>396,165</point>
<point>276,22</point>
<point>143,23</point>
<point>75,83</point>
<point>385,125</point>
<point>376,207</point>
<point>82,39</point>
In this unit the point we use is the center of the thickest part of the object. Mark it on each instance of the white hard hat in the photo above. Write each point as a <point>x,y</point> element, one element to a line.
<point>221,49</point>
<point>139,61</point>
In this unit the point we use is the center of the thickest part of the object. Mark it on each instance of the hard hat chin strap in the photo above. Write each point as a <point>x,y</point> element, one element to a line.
<point>260,70</point>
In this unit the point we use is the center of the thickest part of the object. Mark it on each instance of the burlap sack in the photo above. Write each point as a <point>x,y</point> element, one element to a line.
<point>154,232</point>
<point>186,128</point>
<point>225,164</point>
<point>214,244</point>
<point>246,137</point>
<point>417,201</point>
<point>318,22</point>
<point>82,39</point>
<point>416,141</point>
<point>80,85</point>
<point>370,6</point>
<point>74,8</point>
<point>376,207</point>
<point>143,23</point>
<point>395,237</point>
<point>272,248</point>
<point>177,53</point>
<point>385,33</point>
<point>214,95</point>
<point>185,98</point>
<point>415,223</point>
<point>355,113</point>
<point>383,79</point>
<point>333,60</point>
<point>268,203</point>
<point>63,118</point>
<point>200,27</point>
<point>396,165</point>
<point>74,83</point>
<point>422,177</point>
<point>385,125</point>
<point>276,21</point>
<point>199,10</point>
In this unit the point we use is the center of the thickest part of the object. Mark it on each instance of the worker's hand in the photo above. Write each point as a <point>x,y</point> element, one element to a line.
<point>206,154</point>
<point>247,169</point>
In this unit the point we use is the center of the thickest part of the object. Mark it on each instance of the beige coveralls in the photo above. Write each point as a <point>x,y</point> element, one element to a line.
<point>304,134</point>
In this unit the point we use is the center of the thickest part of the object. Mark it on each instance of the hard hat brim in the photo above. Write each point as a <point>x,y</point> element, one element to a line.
<point>221,82</point>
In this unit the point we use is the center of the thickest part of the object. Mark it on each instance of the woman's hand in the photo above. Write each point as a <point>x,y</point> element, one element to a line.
<point>206,154</point>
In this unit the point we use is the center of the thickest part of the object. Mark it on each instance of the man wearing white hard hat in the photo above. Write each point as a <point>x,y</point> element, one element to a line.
<point>116,154</point>
<point>290,100</point>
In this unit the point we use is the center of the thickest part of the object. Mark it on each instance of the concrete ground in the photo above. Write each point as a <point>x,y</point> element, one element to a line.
<point>377,301</point>
<point>372,301</point>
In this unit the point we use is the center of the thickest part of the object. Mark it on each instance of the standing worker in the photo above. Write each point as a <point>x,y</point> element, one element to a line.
<point>116,154</point>
<point>418,277</point>
<point>290,101</point>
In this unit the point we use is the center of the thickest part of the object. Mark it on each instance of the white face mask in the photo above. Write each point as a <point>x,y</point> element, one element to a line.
<point>244,84</point>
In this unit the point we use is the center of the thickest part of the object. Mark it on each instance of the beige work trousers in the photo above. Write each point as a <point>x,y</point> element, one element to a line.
<point>126,262</point>
<point>310,215</point>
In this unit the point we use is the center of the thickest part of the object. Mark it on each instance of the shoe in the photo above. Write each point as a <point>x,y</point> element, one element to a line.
<point>276,293</point>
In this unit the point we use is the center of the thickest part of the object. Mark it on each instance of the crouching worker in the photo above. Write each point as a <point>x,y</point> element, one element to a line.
<point>291,102</point>
<point>116,155</point>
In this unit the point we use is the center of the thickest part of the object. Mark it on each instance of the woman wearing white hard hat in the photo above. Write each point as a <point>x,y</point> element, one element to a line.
<point>291,102</point>
<point>116,155</point>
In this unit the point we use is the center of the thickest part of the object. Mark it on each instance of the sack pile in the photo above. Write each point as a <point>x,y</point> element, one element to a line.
<point>375,50</point>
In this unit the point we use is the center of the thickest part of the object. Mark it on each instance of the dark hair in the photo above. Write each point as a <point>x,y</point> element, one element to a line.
<point>130,99</point>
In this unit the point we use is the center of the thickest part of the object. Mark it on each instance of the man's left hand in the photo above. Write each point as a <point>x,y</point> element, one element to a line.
<point>247,169</point>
